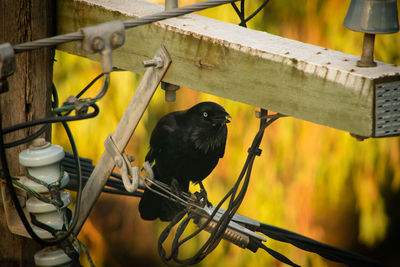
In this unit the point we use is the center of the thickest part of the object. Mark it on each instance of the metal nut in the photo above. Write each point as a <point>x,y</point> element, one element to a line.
<point>117,40</point>
<point>98,44</point>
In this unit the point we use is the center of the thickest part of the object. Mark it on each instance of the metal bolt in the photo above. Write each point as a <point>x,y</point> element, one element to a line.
<point>170,91</point>
<point>130,158</point>
<point>367,56</point>
<point>97,44</point>
<point>39,143</point>
<point>156,62</point>
<point>117,39</point>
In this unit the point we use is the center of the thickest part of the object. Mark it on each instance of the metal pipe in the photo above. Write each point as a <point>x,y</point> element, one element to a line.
<point>367,56</point>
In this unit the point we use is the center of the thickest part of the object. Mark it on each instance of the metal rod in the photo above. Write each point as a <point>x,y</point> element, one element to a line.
<point>170,89</point>
<point>367,56</point>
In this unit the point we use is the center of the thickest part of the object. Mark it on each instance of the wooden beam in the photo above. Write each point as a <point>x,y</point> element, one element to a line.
<point>301,80</point>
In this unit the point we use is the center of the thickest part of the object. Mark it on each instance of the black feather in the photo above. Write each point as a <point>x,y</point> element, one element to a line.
<point>185,145</point>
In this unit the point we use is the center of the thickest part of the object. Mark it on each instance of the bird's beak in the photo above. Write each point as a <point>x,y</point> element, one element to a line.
<point>221,118</point>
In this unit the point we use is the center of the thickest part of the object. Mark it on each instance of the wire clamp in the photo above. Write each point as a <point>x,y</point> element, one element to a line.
<point>104,38</point>
<point>123,163</point>
<point>7,65</point>
<point>256,152</point>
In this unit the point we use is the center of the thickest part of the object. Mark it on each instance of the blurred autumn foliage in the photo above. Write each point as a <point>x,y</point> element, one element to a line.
<point>314,180</point>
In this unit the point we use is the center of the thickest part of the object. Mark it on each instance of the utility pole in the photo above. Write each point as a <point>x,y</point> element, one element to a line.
<point>29,97</point>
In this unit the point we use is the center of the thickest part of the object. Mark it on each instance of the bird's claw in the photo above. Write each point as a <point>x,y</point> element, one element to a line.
<point>202,198</point>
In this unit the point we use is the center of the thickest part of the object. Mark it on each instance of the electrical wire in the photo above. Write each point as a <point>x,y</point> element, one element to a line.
<point>52,120</point>
<point>29,138</point>
<point>308,244</point>
<point>257,11</point>
<point>278,256</point>
<point>78,36</point>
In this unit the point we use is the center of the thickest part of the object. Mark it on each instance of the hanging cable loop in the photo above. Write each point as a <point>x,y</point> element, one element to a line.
<point>218,225</point>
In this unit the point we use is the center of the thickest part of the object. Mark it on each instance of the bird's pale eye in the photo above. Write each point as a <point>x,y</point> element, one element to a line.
<point>205,114</point>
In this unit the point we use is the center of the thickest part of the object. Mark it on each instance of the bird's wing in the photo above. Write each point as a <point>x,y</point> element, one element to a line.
<point>165,137</point>
<point>222,141</point>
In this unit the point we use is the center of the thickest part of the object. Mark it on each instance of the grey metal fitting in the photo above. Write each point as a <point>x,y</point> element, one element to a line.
<point>104,38</point>
<point>156,62</point>
<point>7,65</point>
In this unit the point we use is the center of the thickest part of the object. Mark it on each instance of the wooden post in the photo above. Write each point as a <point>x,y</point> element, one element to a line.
<point>29,97</point>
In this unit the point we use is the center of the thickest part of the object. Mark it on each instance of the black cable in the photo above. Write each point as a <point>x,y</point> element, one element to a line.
<point>324,250</point>
<point>79,174</point>
<point>257,10</point>
<point>240,14</point>
<point>243,21</point>
<point>52,120</point>
<point>89,85</point>
<point>37,133</point>
<point>28,138</point>
<point>113,185</point>
<point>122,193</point>
<point>278,256</point>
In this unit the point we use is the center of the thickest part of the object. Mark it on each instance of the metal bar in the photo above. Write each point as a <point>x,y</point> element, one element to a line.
<point>122,134</point>
<point>367,56</point>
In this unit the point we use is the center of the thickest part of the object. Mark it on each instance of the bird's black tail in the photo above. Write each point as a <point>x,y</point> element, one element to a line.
<point>153,206</point>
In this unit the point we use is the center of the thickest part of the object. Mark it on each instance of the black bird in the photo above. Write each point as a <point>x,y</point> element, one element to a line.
<point>184,146</point>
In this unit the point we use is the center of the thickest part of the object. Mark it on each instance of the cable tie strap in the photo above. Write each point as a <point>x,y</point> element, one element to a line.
<point>256,151</point>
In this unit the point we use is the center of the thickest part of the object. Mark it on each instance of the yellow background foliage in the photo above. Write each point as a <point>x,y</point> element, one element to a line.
<point>314,180</point>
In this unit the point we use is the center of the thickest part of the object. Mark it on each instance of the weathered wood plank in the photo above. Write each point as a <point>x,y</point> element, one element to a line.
<point>257,68</point>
